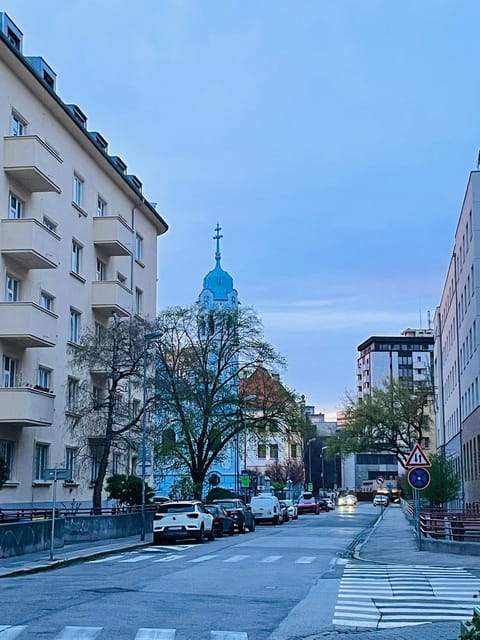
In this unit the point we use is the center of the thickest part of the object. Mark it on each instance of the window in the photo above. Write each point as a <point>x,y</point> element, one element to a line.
<point>100,332</point>
<point>96,451</point>
<point>46,300</point>
<point>44,378</point>
<point>77,251</point>
<point>101,208</point>
<point>138,300</point>
<point>41,460</point>
<point>101,270</point>
<point>12,289</point>
<point>97,398</point>
<point>77,195</point>
<point>72,394</point>
<point>74,325</point>
<point>6,452</point>
<point>17,125</point>
<point>116,463</point>
<point>15,207</point>
<point>52,226</point>
<point>262,451</point>
<point>10,368</point>
<point>274,452</point>
<point>138,247</point>
<point>294,451</point>
<point>71,460</point>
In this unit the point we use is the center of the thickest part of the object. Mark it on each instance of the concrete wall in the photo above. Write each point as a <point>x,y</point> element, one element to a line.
<point>18,538</point>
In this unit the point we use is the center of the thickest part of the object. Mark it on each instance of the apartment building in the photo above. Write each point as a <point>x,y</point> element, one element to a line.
<point>407,358</point>
<point>78,243</point>
<point>457,363</point>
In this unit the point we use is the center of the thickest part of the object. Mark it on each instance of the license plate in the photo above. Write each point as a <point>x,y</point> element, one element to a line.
<point>175,528</point>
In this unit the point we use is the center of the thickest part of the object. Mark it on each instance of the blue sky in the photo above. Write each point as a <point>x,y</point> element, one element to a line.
<point>331,140</point>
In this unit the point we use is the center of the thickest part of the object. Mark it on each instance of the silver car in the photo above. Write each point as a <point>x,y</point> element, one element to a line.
<point>292,509</point>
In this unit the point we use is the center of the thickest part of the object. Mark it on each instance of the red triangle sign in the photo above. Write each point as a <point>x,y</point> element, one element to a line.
<point>417,458</point>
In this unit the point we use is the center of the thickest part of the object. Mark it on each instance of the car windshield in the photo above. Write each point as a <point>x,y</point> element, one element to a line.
<point>228,505</point>
<point>307,500</point>
<point>259,499</point>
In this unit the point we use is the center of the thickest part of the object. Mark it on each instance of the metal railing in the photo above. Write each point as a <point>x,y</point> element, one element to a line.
<point>19,515</point>
<point>443,524</point>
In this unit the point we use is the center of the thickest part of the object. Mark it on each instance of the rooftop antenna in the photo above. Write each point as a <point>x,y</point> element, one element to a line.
<point>420,314</point>
<point>429,322</point>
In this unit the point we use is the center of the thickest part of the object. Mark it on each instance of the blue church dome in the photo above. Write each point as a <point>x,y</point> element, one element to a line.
<point>218,283</point>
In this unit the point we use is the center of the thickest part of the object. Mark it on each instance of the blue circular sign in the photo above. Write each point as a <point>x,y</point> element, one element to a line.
<point>418,478</point>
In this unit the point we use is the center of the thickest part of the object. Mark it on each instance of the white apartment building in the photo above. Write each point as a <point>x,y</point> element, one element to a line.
<point>78,243</point>
<point>457,363</point>
<point>407,358</point>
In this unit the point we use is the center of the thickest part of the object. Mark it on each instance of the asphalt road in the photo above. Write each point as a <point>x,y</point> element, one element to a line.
<point>274,584</point>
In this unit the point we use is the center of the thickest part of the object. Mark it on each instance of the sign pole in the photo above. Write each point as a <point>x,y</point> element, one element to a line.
<point>416,495</point>
<point>54,503</point>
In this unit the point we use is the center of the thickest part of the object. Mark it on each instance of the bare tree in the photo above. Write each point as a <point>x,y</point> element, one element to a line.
<point>393,418</point>
<point>105,406</point>
<point>201,356</point>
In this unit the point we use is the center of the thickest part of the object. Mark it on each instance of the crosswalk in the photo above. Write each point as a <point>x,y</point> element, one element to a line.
<point>383,596</point>
<point>91,633</point>
<point>174,553</point>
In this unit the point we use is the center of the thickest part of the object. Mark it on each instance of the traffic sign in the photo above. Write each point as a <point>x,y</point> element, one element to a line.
<point>245,481</point>
<point>418,478</point>
<point>57,474</point>
<point>417,458</point>
<point>380,480</point>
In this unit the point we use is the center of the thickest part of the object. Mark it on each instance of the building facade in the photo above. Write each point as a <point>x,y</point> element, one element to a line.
<point>457,361</point>
<point>78,243</point>
<point>406,358</point>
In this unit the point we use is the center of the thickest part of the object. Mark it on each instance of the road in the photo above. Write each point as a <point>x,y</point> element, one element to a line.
<point>274,584</point>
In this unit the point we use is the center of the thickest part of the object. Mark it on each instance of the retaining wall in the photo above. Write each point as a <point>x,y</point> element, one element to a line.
<point>18,538</point>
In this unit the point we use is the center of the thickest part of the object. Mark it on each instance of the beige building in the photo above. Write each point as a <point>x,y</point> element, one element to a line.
<point>78,242</point>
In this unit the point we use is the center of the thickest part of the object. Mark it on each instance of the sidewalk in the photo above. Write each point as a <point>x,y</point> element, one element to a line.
<point>40,561</point>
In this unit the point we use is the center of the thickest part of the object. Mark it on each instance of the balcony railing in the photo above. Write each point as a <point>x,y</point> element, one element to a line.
<point>113,235</point>
<point>32,163</point>
<point>27,324</point>
<point>26,407</point>
<point>29,243</point>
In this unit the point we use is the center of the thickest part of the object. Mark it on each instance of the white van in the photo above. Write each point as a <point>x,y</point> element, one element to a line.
<point>266,508</point>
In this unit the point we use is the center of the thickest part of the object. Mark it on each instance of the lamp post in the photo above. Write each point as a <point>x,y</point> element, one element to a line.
<point>323,467</point>
<point>146,340</point>
<point>309,445</point>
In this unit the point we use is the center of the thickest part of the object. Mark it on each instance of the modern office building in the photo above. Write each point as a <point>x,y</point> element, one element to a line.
<point>457,361</point>
<point>407,358</point>
<point>78,243</point>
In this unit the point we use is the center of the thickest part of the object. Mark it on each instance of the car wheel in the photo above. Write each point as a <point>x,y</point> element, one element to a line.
<point>241,528</point>
<point>157,539</point>
<point>252,526</point>
<point>201,535</point>
<point>211,534</point>
<point>275,521</point>
<point>231,531</point>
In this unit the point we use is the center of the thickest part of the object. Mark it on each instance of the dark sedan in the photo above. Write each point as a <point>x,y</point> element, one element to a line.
<point>222,522</point>
<point>242,518</point>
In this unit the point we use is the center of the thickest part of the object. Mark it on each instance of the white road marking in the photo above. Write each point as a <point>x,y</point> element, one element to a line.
<point>155,634</point>
<point>171,558</point>
<point>137,559</point>
<point>236,558</point>
<point>271,559</point>
<point>203,558</point>
<point>228,635</point>
<point>79,633</point>
<point>305,560</point>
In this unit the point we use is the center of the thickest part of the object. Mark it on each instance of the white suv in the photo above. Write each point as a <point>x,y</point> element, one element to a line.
<point>182,519</point>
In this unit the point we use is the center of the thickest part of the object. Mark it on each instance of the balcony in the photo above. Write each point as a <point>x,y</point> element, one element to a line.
<point>29,243</point>
<point>113,235</point>
<point>26,324</point>
<point>111,296</point>
<point>26,407</point>
<point>31,163</point>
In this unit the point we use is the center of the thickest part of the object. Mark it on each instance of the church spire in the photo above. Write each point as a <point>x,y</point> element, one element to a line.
<point>217,237</point>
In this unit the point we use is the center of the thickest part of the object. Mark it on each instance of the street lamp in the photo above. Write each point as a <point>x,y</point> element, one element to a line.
<point>147,337</point>
<point>309,445</point>
<point>323,467</point>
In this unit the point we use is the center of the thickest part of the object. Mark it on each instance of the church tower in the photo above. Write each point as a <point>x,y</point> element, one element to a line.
<point>218,288</point>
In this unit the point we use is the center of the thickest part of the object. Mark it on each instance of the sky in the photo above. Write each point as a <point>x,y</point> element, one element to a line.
<point>331,140</point>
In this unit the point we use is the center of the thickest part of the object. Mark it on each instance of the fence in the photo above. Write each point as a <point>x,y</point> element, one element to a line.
<point>23,515</point>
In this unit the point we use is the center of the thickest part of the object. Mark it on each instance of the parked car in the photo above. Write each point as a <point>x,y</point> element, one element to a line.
<point>292,509</point>
<point>347,500</point>
<point>323,504</point>
<point>284,511</point>
<point>243,519</point>
<point>266,508</point>
<point>222,522</point>
<point>331,504</point>
<point>182,519</point>
<point>380,500</point>
<point>307,504</point>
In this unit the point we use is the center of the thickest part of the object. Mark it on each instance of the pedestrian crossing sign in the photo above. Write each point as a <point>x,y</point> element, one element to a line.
<point>417,458</point>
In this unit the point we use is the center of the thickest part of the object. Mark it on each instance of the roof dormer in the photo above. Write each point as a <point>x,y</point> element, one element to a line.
<point>11,32</point>
<point>43,70</point>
